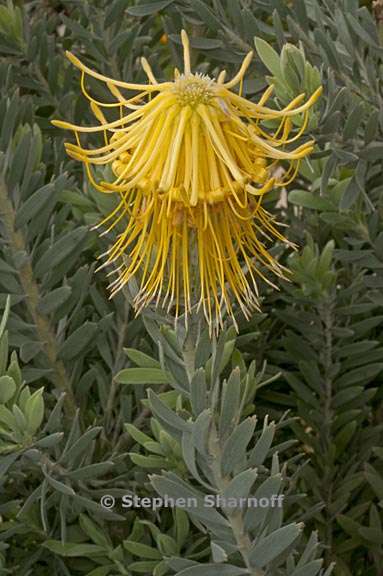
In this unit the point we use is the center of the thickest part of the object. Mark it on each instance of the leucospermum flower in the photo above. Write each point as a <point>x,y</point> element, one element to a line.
<point>192,160</point>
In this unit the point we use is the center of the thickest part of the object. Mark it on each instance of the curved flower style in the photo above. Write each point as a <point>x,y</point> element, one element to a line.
<point>191,162</point>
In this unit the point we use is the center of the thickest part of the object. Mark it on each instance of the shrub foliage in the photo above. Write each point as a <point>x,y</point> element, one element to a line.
<point>95,401</point>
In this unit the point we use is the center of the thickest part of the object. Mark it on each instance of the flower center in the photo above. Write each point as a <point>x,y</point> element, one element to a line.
<point>194,89</point>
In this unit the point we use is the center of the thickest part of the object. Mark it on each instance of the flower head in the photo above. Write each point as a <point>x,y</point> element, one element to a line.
<point>192,160</point>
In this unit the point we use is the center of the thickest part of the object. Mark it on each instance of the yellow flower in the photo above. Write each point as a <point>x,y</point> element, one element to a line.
<point>192,160</point>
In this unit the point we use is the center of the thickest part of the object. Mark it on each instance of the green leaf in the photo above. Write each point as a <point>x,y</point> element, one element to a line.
<point>142,550</point>
<point>270,487</point>
<point>20,419</point>
<point>364,326</point>
<point>60,251</point>
<point>29,350</point>
<point>5,316</point>
<point>362,32</point>
<point>372,152</point>
<point>309,551</point>
<point>161,569</point>
<point>218,553</point>
<point>353,121</point>
<point>81,445</point>
<point>54,299</point>
<point>189,457</point>
<point>231,397</point>
<point>50,440</point>
<point>149,8</point>
<point>166,545</point>
<point>262,447</point>
<point>34,410</point>
<point>91,471</point>
<point>7,388</point>
<point>241,485</point>
<point>198,392</point>
<point>201,43</point>
<point>78,341</point>
<point>14,370</point>
<point>200,431</point>
<point>70,550</point>
<point>142,567</point>
<point>213,570</point>
<point>350,195</point>
<point>360,375</point>
<point>148,461</point>
<point>142,376</point>
<point>234,450</point>
<point>372,534</point>
<point>207,15</point>
<point>182,526</point>
<point>269,547</point>
<point>310,569</point>
<point>137,434</point>
<point>301,390</point>
<point>269,56</point>
<point>376,482</point>
<point>35,204</point>
<point>102,570</point>
<point>308,200</point>
<point>165,414</point>
<point>142,360</point>
<point>343,438</point>
<point>346,395</point>
<point>6,462</point>
<point>349,525</point>
<point>7,417</point>
<point>94,532</point>
<point>326,257</point>
<point>59,486</point>
<point>173,487</point>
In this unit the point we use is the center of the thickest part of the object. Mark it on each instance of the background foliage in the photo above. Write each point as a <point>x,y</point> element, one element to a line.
<point>95,401</point>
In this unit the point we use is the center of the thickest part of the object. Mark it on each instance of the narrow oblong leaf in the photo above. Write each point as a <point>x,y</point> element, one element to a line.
<point>213,570</point>
<point>142,360</point>
<point>7,388</point>
<point>262,446</point>
<point>198,391</point>
<point>268,548</point>
<point>149,8</point>
<point>70,550</point>
<point>60,251</point>
<point>81,445</point>
<point>78,341</point>
<point>54,299</point>
<point>34,410</point>
<point>142,550</point>
<point>234,450</point>
<point>173,487</point>
<point>309,200</point>
<point>161,410</point>
<point>230,403</point>
<point>34,204</point>
<point>142,376</point>
<point>5,316</point>
<point>310,569</point>
<point>91,471</point>
<point>269,56</point>
<point>241,485</point>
